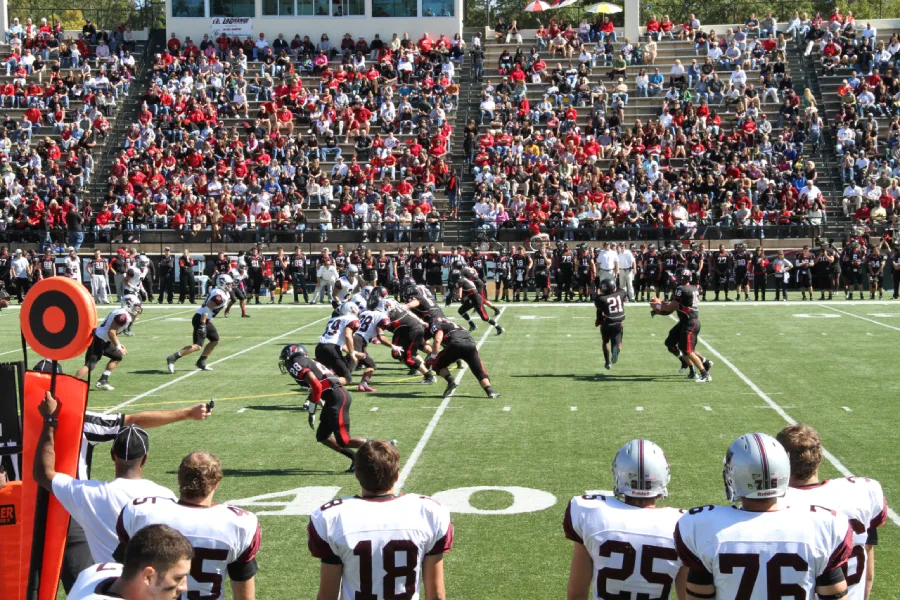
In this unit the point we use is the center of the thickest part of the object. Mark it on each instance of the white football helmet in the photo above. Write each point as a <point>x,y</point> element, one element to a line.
<point>352,270</point>
<point>133,305</point>
<point>143,261</point>
<point>757,467</point>
<point>224,282</point>
<point>641,470</point>
<point>349,308</point>
<point>366,291</point>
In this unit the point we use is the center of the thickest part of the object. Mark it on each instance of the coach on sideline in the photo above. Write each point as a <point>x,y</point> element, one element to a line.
<point>95,505</point>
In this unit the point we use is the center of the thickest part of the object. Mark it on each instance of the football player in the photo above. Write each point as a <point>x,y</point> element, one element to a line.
<point>373,322</point>
<point>380,543</point>
<point>346,286</point>
<point>98,267</point>
<point>762,549</point>
<point>420,301</point>
<point>133,286</point>
<point>653,270</point>
<point>542,261</point>
<point>279,274</point>
<point>741,259</point>
<point>155,566</point>
<point>456,262</point>
<point>502,275</point>
<point>824,263</point>
<point>225,538</point>
<point>72,264</point>
<point>239,279</point>
<point>204,328</point>
<point>805,261</point>
<point>565,272</point>
<point>722,270</point>
<point>327,391</point>
<point>338,338</point>
<point>297,273</point>
<point>521,264</point>
<point>860,499</point>
<point>672,263</point>
<point>584,260</point>
<point>408,339</point>
<point>629,530</point>
<point>610,304</point>
<point>759,270</point>
<point>106,341</point>
<point>472,289</point>
<point>875,264</point>
<point>852,264</point>
<point>361,298</point>
<point>256,266</point>
<point>682,339</point>
<point>451,343</point>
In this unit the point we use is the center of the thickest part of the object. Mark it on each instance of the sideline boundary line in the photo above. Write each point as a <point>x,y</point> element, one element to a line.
<point>843,312</point>
<point>223,359</point>
<point>837,464</point>
<point>432,425</point>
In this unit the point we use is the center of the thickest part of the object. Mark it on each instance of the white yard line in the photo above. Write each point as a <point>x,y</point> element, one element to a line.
<point>432,425</point>
<point>194,372</point>
<point>165,316</point>
<point>849,314</point>
<point>10,351</point>
<point>837,464</point>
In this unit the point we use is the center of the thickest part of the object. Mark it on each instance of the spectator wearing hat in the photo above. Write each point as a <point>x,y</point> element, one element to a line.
<point>96,505</point>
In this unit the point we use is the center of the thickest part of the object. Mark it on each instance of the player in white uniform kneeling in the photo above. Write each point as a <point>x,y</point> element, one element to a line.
<point>380,544</point>
<point>630,540</point>
<point>225,538</point>
<point>860,499</point>
<point>156,564</point>
<point>204,328</point>
<point>762,549</point>
<point>106,341</point>
<point>337,339</point>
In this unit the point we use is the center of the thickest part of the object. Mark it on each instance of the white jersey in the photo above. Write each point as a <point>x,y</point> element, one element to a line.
<point>119,319</point>
<point>370,321</point>
<point>237,276</point>
<point>359,300</point>
<point>214,302</point>
<point>95,581</point>
<point>624,538</point>
<point>133,278</point>
<point>225,539</point>
<point>347,288</point>
<point>72,268</point>
<point>381,542</point>
<point>862,501</point>
<point>797,544</point>
<point>334,330</point>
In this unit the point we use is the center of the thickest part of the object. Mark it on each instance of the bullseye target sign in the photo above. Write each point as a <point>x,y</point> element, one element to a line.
<point>58,318</point>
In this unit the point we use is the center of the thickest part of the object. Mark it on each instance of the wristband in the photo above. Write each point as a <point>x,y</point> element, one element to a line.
<point>120,347</point>
<point>51,420</point>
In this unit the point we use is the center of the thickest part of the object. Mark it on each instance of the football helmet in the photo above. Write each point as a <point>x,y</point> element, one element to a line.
<point>133,305</point>
<point>607,286</point>
<point>143,261</point>
<point>224,282</point>
<point>651,247</point>
<point>408,291</point>
<point>367,291</point>
<point>685,276</point>
<point>349,308</point>
<point>376,298</point>
<point>641,470</point>
<point>469,273</point>
<point>352,270</point>
<point>757,467</point>
<point>287,352</point>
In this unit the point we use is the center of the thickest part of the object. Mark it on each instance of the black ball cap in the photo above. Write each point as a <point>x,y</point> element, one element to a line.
<point>131,443</point>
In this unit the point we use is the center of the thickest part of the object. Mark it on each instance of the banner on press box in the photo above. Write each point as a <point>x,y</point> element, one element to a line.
<point>230,26</point>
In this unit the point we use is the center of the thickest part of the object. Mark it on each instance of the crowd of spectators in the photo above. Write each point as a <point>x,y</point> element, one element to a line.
<point>721,156</point>
<point>240,138</point>
<point>55,104</point>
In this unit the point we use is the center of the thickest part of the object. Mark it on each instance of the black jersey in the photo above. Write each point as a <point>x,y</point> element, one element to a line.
<point>402,263</point>
<point>222,265</point>
<point>876,261</point>
<point>567,262</point>
<point>279,263</point>
<point>340,261</point>
<point>671,261</point>
<point>693,261</point>
<point>741,261</point>
<point>722,263</point>
<point>804,264</point>
<point>433,263</point>
<point>520,264</point>
<point>470,287</point>
<point>652,263</point>
<point>856,260</point>
<point>297,264</point>
<point>48,266</point>
<point>417,266</point>
<point>541,264</point>
<point>452,332</point>
<point>456,263</point>
<point>688,299</point>
<point>383,266</point>
<point>254,263</point>
<point>98,266</point>
<point>503,268</point>
<point>584,263</point>
<point>427,309</point>
<point>611,307</point>
<point>477,262</point>
<point>299,366</point>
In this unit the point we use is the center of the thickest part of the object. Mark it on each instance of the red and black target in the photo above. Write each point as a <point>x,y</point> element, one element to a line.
<point>58,318</point>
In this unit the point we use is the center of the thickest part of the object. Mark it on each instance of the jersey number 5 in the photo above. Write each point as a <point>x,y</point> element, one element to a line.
<point>198,575</point>
<point>392,572</point>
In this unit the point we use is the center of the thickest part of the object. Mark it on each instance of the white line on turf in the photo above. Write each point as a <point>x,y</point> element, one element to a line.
<point>240,410</point>
<point>707,408</point>
<point>373,409</point>
<point>10,351</point>
<point>223,359</point>
<point>432,425</point>
<point>573,408</point>
<point>847,408</point>
<point>639,408</point>
<point>165,316</point>
<point>837,464</point>
<point>849,314</point>
<point>507,408</point>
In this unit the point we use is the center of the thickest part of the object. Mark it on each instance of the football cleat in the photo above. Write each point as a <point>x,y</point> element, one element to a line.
<point>499,330</point>
<point>412,372</point>
<point>203,366</point>
<point>245,316</point>
<point>430,379</point>
<point>451,386</point>
<point>365,387</point>
<point>104,385</point>
<point>703,378</point>
<point>493,395</point>
<point>393,443</point>
<point>690,375</point>
<point>607,366</point>
<point>351,468</point>
<point>707,364</point>
<point>615,354</point>
<point>128,333</point>
<point>682,370</point>
<point>472,327</point>
<point>170,363</point>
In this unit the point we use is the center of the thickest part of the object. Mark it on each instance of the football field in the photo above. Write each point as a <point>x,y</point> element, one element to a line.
<point>508,467</point>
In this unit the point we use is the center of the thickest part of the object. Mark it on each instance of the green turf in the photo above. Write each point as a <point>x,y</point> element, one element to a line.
<point>813,367</point>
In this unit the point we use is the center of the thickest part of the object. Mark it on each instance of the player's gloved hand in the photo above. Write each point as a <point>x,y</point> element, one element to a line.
<point>201,331</point>
<point>597,323</point>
